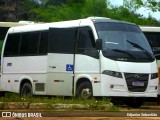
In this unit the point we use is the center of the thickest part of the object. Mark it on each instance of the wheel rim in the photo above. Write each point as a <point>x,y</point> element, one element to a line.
<point>27,93</point>
<point>86,93</point>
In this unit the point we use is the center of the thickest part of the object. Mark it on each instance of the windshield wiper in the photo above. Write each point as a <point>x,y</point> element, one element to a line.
<point>122,51</point>
<point>140,48</point>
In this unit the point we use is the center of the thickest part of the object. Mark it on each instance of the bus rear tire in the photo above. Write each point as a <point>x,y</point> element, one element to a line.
<point>84,90</point>
<point>134,102</point>
<point>26,91</point>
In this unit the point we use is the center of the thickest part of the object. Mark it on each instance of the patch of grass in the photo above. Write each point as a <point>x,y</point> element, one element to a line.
<point>114,108</point>
<point>2,106</point>
<point>94,104</point>
<point>10,97</point>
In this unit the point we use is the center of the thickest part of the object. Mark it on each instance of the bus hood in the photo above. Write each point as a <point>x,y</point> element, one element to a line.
<point>137,67</point>
<point>128,67</point>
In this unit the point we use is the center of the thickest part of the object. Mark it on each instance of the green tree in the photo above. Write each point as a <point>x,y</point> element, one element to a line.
<point>58,10</point>
<point>154,5</point>
<point>71,10</point>
<point>94,8</point>
<point>24,7</point>
<point>8,10</point>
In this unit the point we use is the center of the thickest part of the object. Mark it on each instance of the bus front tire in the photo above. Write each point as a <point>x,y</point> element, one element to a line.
<point>84,90</point>
<point>26,91</point>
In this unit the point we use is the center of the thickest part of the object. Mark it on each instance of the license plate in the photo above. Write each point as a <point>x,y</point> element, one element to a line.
<point>138,83</point>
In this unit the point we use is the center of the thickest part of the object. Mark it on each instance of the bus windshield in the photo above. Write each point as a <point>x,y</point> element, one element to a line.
<point>124,42</point>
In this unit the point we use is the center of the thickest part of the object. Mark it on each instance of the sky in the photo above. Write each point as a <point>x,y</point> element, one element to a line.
<point>143,11</point>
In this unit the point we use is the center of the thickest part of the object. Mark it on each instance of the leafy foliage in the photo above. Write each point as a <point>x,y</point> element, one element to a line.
<point>59,10</point>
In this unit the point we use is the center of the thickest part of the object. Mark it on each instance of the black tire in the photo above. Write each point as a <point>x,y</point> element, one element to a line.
<point>26,91</point>
<point>84,90</point>
<point>134,102</point>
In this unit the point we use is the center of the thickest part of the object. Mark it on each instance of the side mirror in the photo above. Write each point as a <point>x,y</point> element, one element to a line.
<point>99,44</point>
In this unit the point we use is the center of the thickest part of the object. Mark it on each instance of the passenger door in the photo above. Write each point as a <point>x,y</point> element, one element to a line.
<point>87,56</point>
<point>61,61</point>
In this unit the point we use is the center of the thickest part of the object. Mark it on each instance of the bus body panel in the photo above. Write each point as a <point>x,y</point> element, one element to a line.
<point>138,67</point>
<point>59,84</point>
<point>16,69</point>
<point>20,64</point>
<point>113,86</point>
<point>86,64</point>
<point>60,74</point>
<point>117,87</point>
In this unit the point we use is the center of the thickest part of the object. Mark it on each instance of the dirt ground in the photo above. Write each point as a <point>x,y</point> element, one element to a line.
<point>85,118</point>
<point>92,115</point>
<point>88,115</point>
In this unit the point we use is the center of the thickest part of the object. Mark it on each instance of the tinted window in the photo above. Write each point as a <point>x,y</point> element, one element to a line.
<point>62,40</point>
<point>117,27</point>
<point>43,45</point>
<point>86,43</point>
<point>125,41</point>
<point>29,43</point>
<point>12,45</point>
<point>85,39</point>
<point>153,38</point>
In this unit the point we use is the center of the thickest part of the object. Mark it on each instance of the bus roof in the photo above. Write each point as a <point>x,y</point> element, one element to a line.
<point>103,19</point>
<point>69,23</point>
<point>150,29</point>
<point>14,24</point>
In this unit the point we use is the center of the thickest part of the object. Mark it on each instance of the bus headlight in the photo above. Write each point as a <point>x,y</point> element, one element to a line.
<point>154,75</point>
<point>112,73</point>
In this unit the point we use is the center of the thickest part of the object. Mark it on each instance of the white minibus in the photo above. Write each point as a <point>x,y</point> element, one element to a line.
<point>92,57</point>
<point>152,34</point>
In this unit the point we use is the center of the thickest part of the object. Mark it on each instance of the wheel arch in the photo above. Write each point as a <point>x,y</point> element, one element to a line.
<point>23,81</point>
<point>81,80</point>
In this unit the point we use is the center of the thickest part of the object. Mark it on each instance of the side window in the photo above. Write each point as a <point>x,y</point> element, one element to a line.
<point>86,43</point>
<point>12,45</point>
<point>62,40</point>
<point>29,43</point>
<point>43,45</point>
<point>26,44</point>
<point>154,41</point>
<point>153,38</point>
<point>85,40</point>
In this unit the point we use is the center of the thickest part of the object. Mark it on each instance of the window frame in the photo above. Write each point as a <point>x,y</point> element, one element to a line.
<point>54,36</point>
<point>91,51</point>
<point>20,43</point>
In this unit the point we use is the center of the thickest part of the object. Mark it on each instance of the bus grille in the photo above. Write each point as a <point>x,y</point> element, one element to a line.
<point>136,82</point>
